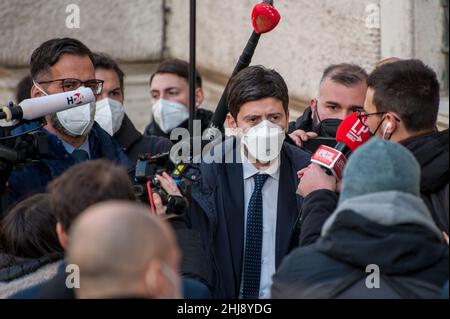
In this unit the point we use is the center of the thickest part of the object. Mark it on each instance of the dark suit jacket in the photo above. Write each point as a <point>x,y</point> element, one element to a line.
<point>217,212</point>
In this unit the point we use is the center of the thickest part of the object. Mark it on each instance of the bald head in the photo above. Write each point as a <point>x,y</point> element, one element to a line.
<point>113,244</point>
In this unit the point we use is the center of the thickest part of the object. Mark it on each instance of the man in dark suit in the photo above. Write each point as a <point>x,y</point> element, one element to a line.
<point>245,203</point>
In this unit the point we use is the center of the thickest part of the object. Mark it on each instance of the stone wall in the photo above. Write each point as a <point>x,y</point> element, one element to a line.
<point>310,36</point>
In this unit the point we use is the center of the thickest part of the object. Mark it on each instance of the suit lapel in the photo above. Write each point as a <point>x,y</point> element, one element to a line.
<point>234,214</point>
<point>287,210</point>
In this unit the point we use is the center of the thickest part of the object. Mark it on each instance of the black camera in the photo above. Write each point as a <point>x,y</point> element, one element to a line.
<point>23,142</point>
<point>146,183</point>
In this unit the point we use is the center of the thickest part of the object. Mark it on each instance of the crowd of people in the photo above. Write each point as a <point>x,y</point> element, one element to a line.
<point>268,223</point>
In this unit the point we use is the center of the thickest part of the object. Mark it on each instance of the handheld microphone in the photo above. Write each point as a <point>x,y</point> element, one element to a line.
<point>264,19</point>
<point>351,134</point>
<point>34,108</point>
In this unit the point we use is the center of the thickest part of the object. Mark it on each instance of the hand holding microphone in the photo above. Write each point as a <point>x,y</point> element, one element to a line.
<point>351,134</point>
<point>328,163</point>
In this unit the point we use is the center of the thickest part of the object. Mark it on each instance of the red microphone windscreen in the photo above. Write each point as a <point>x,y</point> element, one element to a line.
<point>352,132</point>
<point>265,18</point>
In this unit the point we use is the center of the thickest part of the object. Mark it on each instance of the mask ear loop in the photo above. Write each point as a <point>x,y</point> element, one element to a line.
<point>319,126</point>
<point>39,88</point>
<point>379,126</point>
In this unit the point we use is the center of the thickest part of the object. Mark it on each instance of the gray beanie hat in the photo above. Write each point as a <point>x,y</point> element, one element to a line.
<point>380,166</point>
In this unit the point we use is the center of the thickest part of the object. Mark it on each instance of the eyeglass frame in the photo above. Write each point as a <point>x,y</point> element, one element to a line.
<point>364,114</point>
<point>82,83</point>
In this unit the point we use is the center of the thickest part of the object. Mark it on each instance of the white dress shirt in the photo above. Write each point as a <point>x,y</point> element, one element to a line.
<point>270,205</point>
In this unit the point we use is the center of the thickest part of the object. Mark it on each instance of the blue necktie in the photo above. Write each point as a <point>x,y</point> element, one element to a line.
<point>253,242</point>
<point>80,156</point>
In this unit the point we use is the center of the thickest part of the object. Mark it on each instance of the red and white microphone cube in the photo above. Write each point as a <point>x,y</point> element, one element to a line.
<point>330,158</point>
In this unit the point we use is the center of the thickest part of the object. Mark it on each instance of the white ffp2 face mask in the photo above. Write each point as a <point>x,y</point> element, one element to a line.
<point>264,141</point>
<point>169,115</point>
<point>78,120</point>
<point>109,114</point>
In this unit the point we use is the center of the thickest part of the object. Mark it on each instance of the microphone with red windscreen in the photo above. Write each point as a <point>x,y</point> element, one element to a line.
<point>265,18</point>
<point>351,134</point>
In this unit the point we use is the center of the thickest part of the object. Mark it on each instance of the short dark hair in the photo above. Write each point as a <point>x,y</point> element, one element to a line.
<point>177,67</point>
<point>29,229</point>
<point>104,61</point>
<point>49,52</point>
<point>256,83</point>
<point>410,89</point>
<point>23,89</point>
<point>87,184</point>
<point>346,74</point>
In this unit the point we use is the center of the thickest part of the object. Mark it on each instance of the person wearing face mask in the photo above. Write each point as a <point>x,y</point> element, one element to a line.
<point>342,91</point>
<point>402,106</point>
<point>169,89</point>
<point>245,205</point>
<point>141,271</point>
<point>62,65</point>
<point>111,116</point>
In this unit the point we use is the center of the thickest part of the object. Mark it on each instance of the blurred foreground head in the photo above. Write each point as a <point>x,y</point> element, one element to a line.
<point>380,166</point>
<point>124,252</point>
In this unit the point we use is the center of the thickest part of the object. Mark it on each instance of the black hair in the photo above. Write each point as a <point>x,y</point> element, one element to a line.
<point>104,61</point>
<point>86,184</point>
<point>177,67</point>
<point>255,83</point>
<point>29,229</point>
<point>49,52</point>
<point>410,89</point>
<point>23,90</point>
<point>346,74</point>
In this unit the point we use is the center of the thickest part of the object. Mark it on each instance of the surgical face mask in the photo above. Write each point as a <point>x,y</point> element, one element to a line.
<point>169,115</point>
<point>109,114</point>
<point>264,141</point>
<point>77,121</point>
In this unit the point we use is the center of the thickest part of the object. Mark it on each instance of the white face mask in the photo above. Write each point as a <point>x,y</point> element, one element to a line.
<point>78,121</point>
<point>264,141</point>
<point>109,114</point>
<point>169,115</point>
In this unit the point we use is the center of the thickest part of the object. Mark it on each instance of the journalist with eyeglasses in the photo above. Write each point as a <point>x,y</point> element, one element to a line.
<point>63,65</point>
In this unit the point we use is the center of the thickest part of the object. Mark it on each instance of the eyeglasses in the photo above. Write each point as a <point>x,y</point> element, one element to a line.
<point>72,84</point>
<point>363,116</point>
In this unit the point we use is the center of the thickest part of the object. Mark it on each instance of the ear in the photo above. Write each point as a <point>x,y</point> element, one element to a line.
<point>391,125</point>
<point>232,123</point>
<point>154,279</point>
<point>199,97</point>
<point>35,92</point>
<point>313,105</point>
<point>62,236</point>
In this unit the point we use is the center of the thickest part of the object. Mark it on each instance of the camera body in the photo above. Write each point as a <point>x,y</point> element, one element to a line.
<point>23,142</point>
<point>146,183</point>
